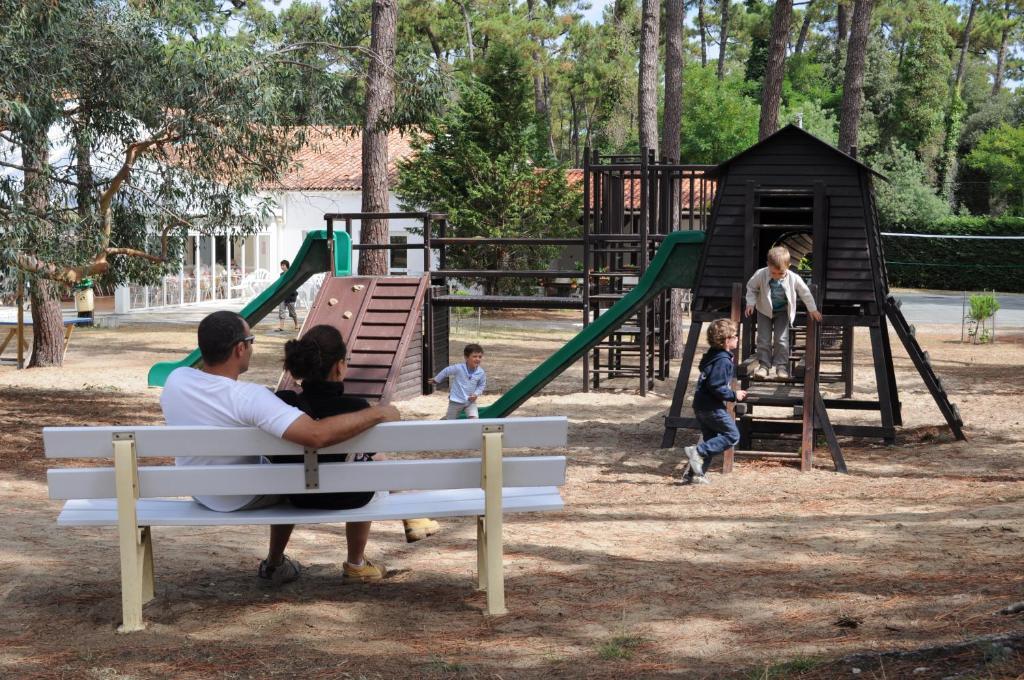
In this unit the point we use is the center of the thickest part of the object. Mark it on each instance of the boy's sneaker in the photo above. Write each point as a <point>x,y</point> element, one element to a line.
<point>700,479</point>
<point>367,572</point>
<point>761,373</point>
<point>782,372</point>
<point>286,572</point>
<point>696,464</point>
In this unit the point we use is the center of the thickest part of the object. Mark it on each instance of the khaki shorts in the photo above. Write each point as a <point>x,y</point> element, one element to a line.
<point>455,408</point>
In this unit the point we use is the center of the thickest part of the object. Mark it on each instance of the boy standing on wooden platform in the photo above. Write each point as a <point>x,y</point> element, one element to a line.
<point>714,388</point>
<point>772,291</point>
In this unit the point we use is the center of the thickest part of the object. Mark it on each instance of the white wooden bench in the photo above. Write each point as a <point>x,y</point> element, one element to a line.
<point>136,498</point>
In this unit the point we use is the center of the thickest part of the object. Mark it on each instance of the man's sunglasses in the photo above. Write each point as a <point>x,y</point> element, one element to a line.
<point>248,339</point>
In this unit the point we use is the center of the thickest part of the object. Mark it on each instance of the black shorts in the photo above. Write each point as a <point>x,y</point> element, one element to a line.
<point>346,500</point>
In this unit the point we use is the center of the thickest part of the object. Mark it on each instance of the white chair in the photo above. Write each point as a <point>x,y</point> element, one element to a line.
<point>256,282</point>
<point>308,291</point>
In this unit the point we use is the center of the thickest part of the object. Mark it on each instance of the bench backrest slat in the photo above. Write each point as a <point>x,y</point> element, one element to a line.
<point>413,435</point>
<point>388,475</point>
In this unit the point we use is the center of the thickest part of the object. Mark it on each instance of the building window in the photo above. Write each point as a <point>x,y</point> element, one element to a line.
<point>399,256</point>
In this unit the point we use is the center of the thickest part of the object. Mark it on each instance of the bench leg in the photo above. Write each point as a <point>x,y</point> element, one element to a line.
<point>492,544</point>
<point>148,581</point>
<point>68,329</point>
<point>481,554</point>
<point>134,542</point>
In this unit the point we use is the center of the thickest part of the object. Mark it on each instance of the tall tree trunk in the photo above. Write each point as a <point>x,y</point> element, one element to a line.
<point>961,66</point>
<point>853,84</point>
<point>771,93</point>
<point>724,41</point>
<point>647,90</point>
<point>805,27</point>
<point>380,100</point>
<point>675,14</point>
<point>702,26</point>
<point>674,17</point>
<point>47,324</point>
<point>842,31</point>
<point>464,5</point>
<point>574,130</point>
<point>997,81</point>
<point>948,166</point>
<point>540,89</point>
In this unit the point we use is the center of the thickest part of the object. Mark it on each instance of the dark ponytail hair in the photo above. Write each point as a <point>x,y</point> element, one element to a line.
<point>312,356</point>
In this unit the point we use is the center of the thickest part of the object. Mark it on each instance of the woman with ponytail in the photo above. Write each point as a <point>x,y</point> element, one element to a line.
<point>318,361</point>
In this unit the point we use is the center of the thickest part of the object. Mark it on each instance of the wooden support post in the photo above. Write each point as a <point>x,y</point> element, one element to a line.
<point>810,391</point>
<point>821,416</point>
<point>894,395</point>
<point>135,543</point>
<point>682,380</point>
<point>491,469</point>
<point>736,314</point>
<point>882,377</point>
<point>848,360</point>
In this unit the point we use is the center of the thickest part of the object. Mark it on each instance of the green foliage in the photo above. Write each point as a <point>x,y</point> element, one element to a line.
<point>906,198</point>
<point>809,114</point>
<point>981,308</point>
<point>957,264</point>
<point>1000,154</point>
<point>176,113</point>
<point>474,164</point>
<point>620,647</point>
<point>915,118</point>
<point>718,120</point>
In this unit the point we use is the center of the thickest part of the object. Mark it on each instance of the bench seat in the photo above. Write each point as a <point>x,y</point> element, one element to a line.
<point>136,498</point>
<point>439,503</point>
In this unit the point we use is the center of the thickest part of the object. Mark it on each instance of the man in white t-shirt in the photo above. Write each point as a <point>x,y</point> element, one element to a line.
<point>214,396</point>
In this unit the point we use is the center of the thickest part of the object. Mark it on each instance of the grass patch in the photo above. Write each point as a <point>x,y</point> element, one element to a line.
<point>439,665</point>
<point>786,669</point>
<point>620,647</point>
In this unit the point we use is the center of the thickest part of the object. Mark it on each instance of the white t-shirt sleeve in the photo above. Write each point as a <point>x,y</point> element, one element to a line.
<point>261,408</point>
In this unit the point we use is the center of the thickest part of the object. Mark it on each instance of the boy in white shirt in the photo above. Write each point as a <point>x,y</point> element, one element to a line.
<point>468,381</point>
<point>772,292</point>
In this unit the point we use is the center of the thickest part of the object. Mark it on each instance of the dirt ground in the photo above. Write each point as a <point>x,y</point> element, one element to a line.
<point>898,569</point>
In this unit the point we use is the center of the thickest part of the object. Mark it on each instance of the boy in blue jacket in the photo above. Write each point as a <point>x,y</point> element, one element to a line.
<point>714,388</point>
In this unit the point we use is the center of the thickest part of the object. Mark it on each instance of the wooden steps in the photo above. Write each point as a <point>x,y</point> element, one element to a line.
<point>380,321</point>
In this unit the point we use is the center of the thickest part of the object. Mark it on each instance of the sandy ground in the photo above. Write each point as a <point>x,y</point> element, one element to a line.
<point>765,573</point>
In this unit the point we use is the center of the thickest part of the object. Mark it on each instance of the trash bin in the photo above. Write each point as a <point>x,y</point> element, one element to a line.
<point>85,301</point>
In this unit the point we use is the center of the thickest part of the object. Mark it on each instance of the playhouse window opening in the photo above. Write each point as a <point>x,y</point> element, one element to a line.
<point>790,209</point>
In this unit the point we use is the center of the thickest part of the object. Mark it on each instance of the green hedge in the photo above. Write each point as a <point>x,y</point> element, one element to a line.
<point>957,264</point>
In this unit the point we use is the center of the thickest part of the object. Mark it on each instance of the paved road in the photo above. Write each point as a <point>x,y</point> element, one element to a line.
<point>947,308</point>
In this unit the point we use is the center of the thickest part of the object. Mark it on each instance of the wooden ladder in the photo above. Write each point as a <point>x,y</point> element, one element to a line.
<point>923,363</point>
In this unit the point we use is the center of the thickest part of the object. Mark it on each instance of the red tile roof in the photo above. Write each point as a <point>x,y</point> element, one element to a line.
<point>631,189</point>
<point>332,161</point>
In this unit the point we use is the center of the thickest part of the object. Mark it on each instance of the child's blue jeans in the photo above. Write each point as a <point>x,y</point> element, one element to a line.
<point>719,431</point>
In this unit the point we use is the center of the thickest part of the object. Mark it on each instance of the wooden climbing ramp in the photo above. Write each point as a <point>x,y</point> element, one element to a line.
<point>380,319</point>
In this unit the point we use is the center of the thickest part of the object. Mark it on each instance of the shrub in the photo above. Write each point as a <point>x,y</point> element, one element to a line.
<point>957,264</point>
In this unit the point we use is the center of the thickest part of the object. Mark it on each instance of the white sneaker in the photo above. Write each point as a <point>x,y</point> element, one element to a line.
<point>700,479</point>
<point>761,373</point>
<point>782,372</point>
<point>696,464</point>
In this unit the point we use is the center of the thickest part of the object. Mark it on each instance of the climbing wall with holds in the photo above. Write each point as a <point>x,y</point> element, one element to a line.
<point>380,319</point>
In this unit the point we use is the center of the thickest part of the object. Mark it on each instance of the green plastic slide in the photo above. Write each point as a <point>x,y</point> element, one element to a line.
<point>673,266</point>
<point>311,259</point>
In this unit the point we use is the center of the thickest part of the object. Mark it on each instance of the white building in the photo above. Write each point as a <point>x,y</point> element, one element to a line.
<point>327,178</point>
